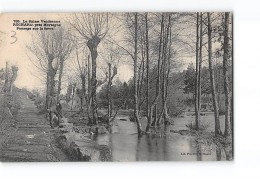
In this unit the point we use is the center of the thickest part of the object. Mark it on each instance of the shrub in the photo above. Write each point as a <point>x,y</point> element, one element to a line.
<point>202,127</point>
<point>1,107</point>
<point>132,116</point>
<point>40,104</point>
<point>177,111</point>
<point>222,111</point>
<point>12,102</point>
<point>39,101</point>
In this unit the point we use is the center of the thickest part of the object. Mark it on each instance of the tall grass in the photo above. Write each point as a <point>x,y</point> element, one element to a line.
<point>9,107</point>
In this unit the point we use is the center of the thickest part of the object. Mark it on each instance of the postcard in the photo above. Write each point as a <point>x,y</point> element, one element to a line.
<point>116,87</point>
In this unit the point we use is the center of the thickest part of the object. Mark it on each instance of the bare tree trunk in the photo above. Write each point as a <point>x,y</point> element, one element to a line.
<point>47,90</point>
<point>227,132</point>
<point>165,71</point>
<point>109,86</point>
<point>83,89</point>
<point>213,88</point>
<point>60,78</point>
<point>218,71</point>
<point>198,71</point>
<point>50,81</point>
<point>147,74</point>
<point>200,63</point>
<point>162,78</point>
<point>88,96</point>
<point>109,91</point>
<point>14,76</point>
<point>52,73</point>
<point>141,70</point>
<point>81,103</point>
<point>155,105</point>
<point>92,45</point>
<point>197,114</point>
<point>166,116</point>
<point>231,88</point>
<point>139,129</point>
<point>73,94</point>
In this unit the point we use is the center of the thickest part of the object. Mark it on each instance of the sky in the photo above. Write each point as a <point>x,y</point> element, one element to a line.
<point>16,53</point>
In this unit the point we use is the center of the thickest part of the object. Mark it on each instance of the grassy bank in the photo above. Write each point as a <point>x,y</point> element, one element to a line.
<point>10,105</point>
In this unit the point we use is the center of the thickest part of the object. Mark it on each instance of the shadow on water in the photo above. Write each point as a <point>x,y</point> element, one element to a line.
<point>161,145</point>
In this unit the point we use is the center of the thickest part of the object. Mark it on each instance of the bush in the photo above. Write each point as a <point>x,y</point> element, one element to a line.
<point>12,102</point>
<point>40,104</point>
<point>1,107</point>
<point>39,101</point>
<point>177,111</point>
<point>132,116</point>
<point>9,106</point>
<point>203,126</point>
<point>222,111</point>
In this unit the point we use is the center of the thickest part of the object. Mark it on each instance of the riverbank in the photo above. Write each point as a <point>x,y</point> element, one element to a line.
<point>30,139</point>
<point>79,144</point>
<point>167,143</point>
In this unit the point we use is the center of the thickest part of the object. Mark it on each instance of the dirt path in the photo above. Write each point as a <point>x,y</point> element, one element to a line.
<point>33,139</point>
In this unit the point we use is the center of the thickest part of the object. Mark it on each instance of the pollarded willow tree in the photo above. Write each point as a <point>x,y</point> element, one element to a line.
<point>9,78</point>
<point>111,57</point>
<point>92,27</point>
<point>13,78</point>
<point>84,72</point>
<point>44,48</point>
<point>50,50</point>
<point>66,47</point>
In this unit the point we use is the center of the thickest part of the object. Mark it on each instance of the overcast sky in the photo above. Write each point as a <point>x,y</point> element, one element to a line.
<point>16,54</point>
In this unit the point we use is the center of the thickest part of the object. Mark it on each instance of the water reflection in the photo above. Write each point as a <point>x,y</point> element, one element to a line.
<point>127,147</point>
<point>162,145</point>
<point>228,153</point>
<point>218,153</point>
<point>199,152</point>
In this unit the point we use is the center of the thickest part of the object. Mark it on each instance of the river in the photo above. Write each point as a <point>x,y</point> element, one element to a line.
<point>165,145</point>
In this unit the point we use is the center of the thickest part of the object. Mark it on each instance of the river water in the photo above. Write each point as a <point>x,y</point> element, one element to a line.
<point>165,145</point>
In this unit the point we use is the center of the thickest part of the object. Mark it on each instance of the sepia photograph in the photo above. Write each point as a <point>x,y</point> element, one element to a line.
<point>116,86</point>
